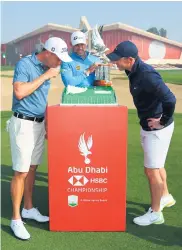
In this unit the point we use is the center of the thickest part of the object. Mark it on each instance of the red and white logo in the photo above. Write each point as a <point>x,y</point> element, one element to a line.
<point>85,147</point>
<point>78,180</point>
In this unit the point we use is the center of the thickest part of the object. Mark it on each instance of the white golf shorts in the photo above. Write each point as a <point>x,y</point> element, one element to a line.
<point>155,146</point>
<point>27,143</point>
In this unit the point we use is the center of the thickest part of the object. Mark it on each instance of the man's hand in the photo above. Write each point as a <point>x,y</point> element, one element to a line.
<point>52,72</point>
<point>154,123</point>
<point>92,68</point>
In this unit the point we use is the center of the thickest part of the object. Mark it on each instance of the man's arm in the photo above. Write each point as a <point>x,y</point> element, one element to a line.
<point>68,77</point>
<point>22,87</point>
<point>155,84</point>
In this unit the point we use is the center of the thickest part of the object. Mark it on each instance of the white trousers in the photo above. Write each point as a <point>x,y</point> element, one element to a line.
<point>27,143</point>
<point>155,146</point>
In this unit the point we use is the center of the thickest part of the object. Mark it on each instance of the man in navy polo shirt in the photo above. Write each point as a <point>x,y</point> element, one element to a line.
<point>31,84</point>
<point>155,104</point>
<point>81,71</point>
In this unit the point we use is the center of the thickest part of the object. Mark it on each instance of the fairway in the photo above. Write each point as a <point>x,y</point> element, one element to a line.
<point>171,76</point>
<point>165,236</point>
<point>7,68</point>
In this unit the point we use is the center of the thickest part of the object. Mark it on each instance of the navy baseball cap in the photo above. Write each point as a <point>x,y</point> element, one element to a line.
<point>123,49</point>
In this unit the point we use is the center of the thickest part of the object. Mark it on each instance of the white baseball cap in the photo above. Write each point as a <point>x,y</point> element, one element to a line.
<point>78,37</point>
<point>58,47</point>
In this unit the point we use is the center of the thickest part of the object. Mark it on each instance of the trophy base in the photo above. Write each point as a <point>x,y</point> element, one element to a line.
<point>102,83</point>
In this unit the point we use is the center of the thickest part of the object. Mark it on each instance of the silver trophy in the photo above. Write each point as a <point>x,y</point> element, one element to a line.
<point>98,48</point>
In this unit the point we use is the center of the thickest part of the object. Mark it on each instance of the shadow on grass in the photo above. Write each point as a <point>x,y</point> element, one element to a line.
<point>163,234</point>
<point>40,199</point>
<point>7,173</point>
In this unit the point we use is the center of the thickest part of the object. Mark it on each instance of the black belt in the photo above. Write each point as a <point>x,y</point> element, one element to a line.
<point>35,119</point>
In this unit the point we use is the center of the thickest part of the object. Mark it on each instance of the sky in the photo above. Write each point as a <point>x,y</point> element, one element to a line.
<point>19,18</point>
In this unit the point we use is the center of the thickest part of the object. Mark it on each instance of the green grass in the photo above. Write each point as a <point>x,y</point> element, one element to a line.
<point>119,78</point>
<point>7,68</point>
<point>7,76</point>
<point>165,236</point>
<point>171,76</point>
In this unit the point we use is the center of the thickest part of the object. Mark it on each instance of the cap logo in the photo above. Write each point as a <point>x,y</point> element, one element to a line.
<point>64,50</point>
<point>52,49</point>
<point>77,37</point>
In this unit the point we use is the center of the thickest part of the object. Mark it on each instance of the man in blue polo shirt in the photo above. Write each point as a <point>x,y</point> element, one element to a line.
<point>155,104</point>
<point>31,84</point>
<point>79,72</point>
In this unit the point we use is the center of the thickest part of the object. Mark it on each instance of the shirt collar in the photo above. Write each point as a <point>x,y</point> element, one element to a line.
<point>136,65</point>
<point>76,55</point>
<point>35,60</point>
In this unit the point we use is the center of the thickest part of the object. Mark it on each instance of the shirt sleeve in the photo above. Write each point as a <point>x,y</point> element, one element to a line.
<point>155,84</point>
<point>68,77</point>
<point>97,60</point>
<point>21,72</point>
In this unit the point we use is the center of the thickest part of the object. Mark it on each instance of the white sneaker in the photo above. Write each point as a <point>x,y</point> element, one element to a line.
<point>34,214</point>
<point>19,229</point>
<point>149,218</point>
<point>167,201</point>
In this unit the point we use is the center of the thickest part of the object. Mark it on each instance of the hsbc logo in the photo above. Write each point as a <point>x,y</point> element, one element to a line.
<point>78,180</point>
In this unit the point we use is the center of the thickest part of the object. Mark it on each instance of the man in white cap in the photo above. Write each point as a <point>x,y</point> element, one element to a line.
<point>31,84</point>
<point>79,72</point>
